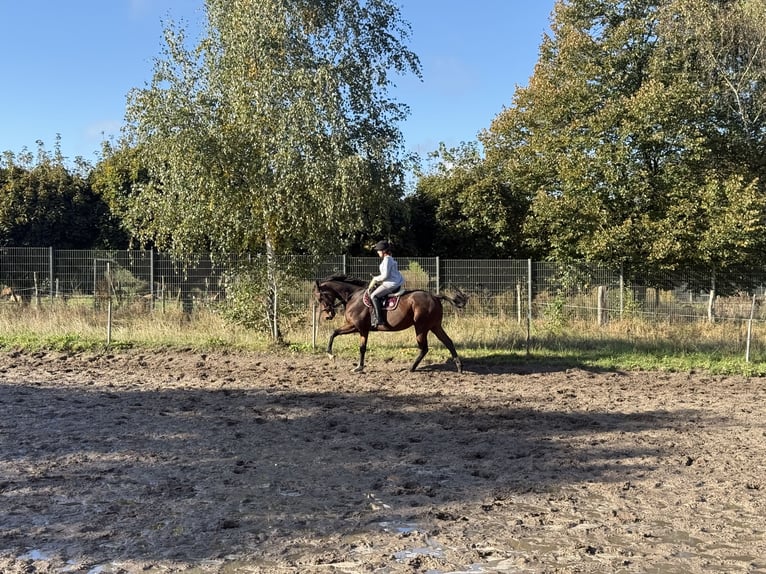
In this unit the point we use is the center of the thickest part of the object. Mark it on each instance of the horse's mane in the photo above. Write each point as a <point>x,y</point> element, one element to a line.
<point>345,279</point>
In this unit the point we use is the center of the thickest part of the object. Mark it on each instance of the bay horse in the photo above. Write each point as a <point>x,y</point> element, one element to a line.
<point>419,309</point>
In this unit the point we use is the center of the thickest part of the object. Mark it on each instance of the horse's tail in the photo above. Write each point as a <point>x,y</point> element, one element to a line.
<point>459,299</point>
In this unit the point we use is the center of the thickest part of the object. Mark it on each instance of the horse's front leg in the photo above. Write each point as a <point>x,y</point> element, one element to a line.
<point>362,351</point>
<point>343,330</point>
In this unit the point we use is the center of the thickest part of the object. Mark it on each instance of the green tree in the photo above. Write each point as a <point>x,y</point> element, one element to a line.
<point>465,206</point>
<point>276,133</point>
<point>45,203</point>
<point>114,180</point>
<point>624,135</point>
<point>721,46</point>
<point>726,41</point>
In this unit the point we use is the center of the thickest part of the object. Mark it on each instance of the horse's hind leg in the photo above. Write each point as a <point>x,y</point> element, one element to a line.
<point>362,351</point>
<point>441,334</point>
<point>422,339</point>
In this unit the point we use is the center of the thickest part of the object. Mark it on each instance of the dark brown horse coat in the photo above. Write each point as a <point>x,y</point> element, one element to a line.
<point>419,309</point>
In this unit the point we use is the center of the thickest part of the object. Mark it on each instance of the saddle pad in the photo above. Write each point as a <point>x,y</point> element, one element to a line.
<point>391,302</point>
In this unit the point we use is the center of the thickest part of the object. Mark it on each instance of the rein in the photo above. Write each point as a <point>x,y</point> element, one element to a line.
<point>343,296</point>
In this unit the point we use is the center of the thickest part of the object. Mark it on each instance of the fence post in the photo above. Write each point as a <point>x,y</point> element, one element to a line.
<point>602,312</point>
<point>529,304</point>
<point>314,323</point>
<point>109,305</point>
<point>151,279</point>
<point>95,305</point>
<point>50,271</point>
<point>438,276</point>
<point>622,290</point>
<point>749,330</point>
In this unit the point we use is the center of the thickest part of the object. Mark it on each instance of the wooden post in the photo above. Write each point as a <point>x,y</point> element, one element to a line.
<point>529,306</point>
<point>603,312</point>
<point>109,305</point>
<point>749,330</point>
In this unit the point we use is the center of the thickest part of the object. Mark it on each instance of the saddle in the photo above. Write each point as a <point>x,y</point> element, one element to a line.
<point>391,301</point>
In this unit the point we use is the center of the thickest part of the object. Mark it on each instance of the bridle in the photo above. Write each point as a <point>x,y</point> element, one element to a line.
<point>328,308</point>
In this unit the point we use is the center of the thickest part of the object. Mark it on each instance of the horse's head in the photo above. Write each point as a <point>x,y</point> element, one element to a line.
<point>325,298</point>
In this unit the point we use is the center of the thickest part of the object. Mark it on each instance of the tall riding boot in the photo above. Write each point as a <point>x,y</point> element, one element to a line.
<point>377,315</point>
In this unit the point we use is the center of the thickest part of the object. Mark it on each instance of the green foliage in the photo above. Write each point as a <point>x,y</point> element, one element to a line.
<point>631,305</point>
<point>556,313</point>
<point>468,209</point>
<point>640,137</point>
<point>275,132</point>
<point>124,284</point>
<point>415,277</point>
<point>245,301</point>
<point>274,135</point>
<point>44,203</point>
<point>115,179</point>
<point>248,296</point>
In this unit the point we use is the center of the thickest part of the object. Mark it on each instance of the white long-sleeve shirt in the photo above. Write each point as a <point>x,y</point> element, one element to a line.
<point>389,273</point>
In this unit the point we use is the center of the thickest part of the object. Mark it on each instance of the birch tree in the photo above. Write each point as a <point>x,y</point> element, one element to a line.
<point>275,134</point>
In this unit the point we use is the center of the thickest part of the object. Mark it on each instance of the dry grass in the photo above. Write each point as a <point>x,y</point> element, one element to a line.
<point>631,343</point>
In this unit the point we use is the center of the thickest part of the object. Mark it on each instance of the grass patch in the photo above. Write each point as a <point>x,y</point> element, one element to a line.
<point>626,345</point>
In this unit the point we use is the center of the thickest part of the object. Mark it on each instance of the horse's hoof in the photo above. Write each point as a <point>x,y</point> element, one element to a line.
<point>331,356</point>
<point>357,369</point>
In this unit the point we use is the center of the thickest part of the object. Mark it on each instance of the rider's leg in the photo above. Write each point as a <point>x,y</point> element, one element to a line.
<point>378,297</point>
<point>377,312</point>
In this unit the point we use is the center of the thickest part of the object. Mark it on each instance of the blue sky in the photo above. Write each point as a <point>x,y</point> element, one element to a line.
<point>68,66</point>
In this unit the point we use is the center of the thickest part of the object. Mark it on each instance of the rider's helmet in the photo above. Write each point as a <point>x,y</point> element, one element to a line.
<point>382,246</point>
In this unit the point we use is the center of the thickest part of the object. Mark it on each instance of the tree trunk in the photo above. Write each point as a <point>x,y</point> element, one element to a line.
<point>272,290</point>
<point>711,301</point>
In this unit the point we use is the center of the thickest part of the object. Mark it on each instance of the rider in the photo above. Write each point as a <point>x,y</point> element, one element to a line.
<point>388,281</point>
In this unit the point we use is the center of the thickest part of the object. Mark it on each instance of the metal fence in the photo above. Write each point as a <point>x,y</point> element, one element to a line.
<point>511,289</point>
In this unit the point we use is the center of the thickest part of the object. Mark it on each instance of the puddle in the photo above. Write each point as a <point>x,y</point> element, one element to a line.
<point>35,555</point>
<point>290,493</point>
<point>402,528</point>
<point>399,527</point>
<point>403,555</point>
<point>110,568</point>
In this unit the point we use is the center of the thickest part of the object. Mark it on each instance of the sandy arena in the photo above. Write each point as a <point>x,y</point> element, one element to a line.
<point>251,463</point>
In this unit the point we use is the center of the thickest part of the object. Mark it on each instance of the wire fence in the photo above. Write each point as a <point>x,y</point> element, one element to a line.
<point>515,290</point>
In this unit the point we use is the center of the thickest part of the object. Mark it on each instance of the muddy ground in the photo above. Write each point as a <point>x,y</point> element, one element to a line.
<point>234,463</point>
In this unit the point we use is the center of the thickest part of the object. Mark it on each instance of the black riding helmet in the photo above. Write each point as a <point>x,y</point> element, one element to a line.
<point>382,246</point>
